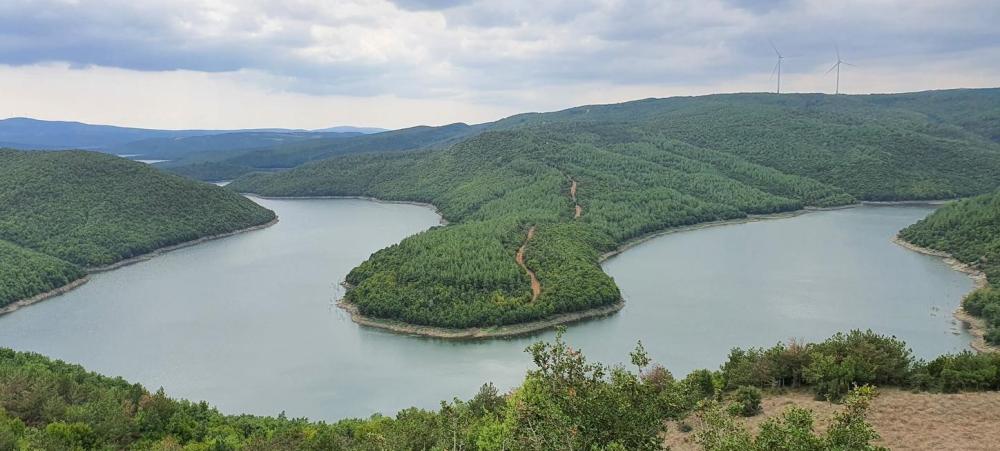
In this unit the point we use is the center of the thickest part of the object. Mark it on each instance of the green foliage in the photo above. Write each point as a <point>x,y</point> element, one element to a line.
<point>641,167</point>
<point>565,402</point>
<point>958,372</point>
<point>63,211</point>
<point>746,401</point>
<point>228,161</point>
<point>857,358</point>
<point>832,367</point>
<point>793,430</point>
<point>25,273</point>
<point>969,230</point>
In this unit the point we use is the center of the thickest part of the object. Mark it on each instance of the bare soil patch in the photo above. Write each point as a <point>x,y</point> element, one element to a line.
<point>905,420</point>
<point>536,286</point>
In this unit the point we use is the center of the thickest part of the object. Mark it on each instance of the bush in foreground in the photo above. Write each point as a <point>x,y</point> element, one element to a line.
<point>566,402</point>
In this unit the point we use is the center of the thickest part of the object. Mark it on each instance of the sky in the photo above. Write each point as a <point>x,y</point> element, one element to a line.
<point>399,63</point>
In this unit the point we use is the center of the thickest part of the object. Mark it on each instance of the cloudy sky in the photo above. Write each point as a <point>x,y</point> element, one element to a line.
<point>317,63</point>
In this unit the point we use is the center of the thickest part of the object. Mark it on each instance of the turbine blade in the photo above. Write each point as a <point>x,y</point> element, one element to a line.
<point>849,64</point>
<point>838,51</point>
<point>776,52</point>
<point>774,70</point>
<point>833,67</point>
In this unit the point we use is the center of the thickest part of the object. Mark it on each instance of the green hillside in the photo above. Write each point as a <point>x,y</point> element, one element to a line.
<point>61,212</point>
<point>639,168</point>
<point>969,230</point>
<point>227,164</point>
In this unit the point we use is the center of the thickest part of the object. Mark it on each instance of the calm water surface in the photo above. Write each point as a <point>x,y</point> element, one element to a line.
<point>246,322</point>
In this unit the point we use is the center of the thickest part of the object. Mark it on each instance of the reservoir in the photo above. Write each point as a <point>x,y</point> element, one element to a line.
<point>247,324</point>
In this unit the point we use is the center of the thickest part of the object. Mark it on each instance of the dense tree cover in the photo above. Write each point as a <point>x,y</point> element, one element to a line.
<point>63,211</point>
<point>969,230</point>
<point>228,163</point>
<point>25,273</point>
<point>641,167</point>
<point>565,402</point>
<point>972,110</point>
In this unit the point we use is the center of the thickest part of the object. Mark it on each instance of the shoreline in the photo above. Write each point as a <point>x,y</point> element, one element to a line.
<point>763,217</point>
<point>477,333</point>
<point>173,247</point>
<point>975,326</point>
<point>17,305</point>
<point>512,330</point>
<point>437,211</point>
<point>705,225</point>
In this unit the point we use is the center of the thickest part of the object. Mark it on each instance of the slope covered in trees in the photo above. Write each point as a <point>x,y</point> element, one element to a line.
<point>969,230</point>
<point>564,402</point>
<point>62,212</point>
<point>227,164</point>
<point>641,167</point>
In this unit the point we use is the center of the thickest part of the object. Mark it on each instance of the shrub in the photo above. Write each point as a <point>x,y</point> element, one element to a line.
<point>857,358</point>
<point>746,402</point>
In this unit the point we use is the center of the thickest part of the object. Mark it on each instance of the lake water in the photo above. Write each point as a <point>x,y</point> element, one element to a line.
<point>246,322</point>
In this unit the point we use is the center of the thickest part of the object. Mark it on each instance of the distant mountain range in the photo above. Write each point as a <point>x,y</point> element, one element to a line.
<point>33,134</point>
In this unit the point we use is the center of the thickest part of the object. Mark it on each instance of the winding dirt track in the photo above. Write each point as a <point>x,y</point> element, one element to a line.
<point>536,286</point>
<point>572,194</point>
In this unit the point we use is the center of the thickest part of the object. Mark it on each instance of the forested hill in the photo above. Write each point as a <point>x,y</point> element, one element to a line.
<point>228,164</point>
<point>969,230</point>
<point>61,212</point>
<point>961,114</point>
<point>639,168</point>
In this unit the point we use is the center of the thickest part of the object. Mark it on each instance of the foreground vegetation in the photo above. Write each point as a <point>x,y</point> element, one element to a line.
<point>969,230</point>
<point>640,167</point>
<point>565,402</point>
<point>63,212</point>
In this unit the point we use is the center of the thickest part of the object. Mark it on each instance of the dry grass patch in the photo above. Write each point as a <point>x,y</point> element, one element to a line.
<point>905,420</point>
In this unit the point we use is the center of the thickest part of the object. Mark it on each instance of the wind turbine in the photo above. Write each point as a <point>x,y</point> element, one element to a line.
<point>777,67</point>
<point>837,66</point>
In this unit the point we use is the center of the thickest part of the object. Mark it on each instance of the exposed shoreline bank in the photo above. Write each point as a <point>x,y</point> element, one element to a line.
<point>173,247</point>
<point>976,326</point>
<point>437,211</point>
<point>705,225</point>
<point>476,333</point>
<point>764,217</point>
<point>16,305</point>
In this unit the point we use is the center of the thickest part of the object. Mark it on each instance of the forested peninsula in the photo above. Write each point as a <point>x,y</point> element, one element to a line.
<point>969,231</point>
<point>63,214</point>
<point>557,191</point>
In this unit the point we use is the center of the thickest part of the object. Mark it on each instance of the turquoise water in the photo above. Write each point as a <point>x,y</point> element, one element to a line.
<point>247,324</point>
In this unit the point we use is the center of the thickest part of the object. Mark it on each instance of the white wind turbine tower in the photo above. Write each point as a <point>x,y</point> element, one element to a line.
<point>777,67</point>
<point>837,66</point>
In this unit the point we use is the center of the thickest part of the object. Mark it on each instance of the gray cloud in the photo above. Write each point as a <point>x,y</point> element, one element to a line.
<point>468,48</point>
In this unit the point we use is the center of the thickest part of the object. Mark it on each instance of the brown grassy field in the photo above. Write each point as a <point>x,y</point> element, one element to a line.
<point>905,420</point>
